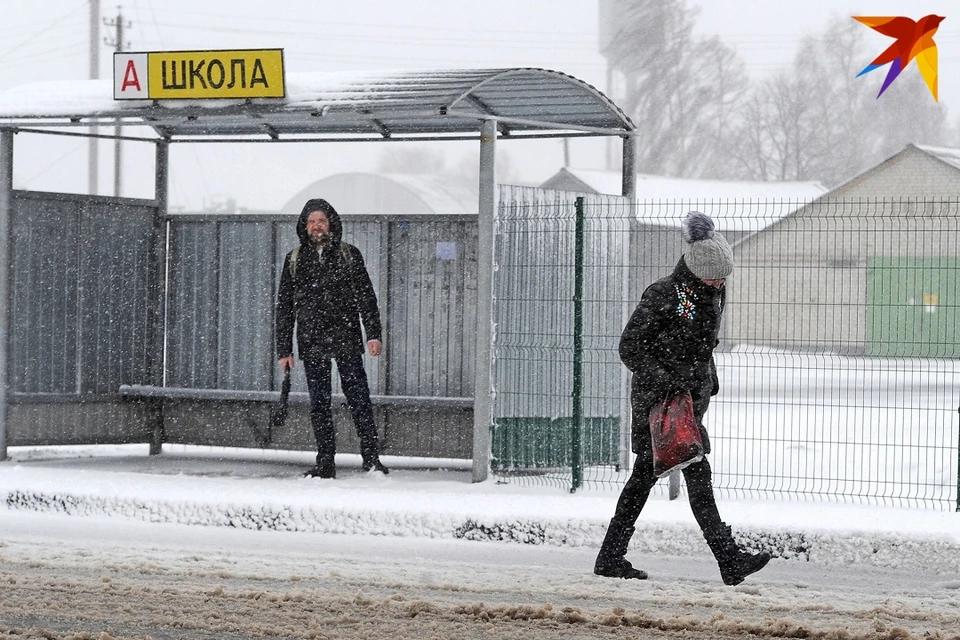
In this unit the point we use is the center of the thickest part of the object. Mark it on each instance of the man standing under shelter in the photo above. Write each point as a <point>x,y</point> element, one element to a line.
<point>326,292</point>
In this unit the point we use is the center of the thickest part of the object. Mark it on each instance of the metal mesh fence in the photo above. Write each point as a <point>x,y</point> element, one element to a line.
<point>839,360</point>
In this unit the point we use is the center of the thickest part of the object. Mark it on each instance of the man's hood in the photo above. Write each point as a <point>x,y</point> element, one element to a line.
<point>319,204</point>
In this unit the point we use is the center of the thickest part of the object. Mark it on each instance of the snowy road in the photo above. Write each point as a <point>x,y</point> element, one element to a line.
<point>71,577</point>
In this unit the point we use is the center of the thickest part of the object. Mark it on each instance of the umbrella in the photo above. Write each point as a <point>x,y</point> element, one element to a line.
<point>278,412</point>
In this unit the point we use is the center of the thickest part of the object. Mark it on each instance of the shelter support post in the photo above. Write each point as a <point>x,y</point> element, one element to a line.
<point>157,313</point>
<point>629,173</point>
<point>6,212</point>
<point>628,189</point>
<point>576,426</point>
<point>483,367</point>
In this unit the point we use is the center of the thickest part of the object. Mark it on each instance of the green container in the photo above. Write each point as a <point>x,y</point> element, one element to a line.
<point>913,307</point>
<point>541,444</point>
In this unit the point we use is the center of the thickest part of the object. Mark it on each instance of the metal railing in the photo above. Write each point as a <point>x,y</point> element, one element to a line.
<point>839,361</point>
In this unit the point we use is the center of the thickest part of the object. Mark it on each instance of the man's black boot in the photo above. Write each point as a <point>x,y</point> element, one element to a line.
<point>374,464</point>
<point>320,472</point>
<point>323,469</point>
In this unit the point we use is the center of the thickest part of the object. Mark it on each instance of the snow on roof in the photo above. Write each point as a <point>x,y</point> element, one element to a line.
<point>948,155</point>
<point>654,187</point>
<point>61,98</point>
<point>945,154</point>
<point>738,205</point>
<point>378,104</point>
<point>89,97</point>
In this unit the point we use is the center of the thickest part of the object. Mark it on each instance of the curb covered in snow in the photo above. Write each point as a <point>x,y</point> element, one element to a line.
<point>882,550</point>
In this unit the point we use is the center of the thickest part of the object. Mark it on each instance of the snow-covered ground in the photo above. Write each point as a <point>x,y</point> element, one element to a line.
<point>199,542</point>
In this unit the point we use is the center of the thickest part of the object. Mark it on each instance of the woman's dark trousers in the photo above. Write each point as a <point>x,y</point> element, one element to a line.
<point>699,480</point>
<point>735,563</point>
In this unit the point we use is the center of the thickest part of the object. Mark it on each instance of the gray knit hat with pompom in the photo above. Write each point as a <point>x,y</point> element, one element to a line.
<point>708,255</point>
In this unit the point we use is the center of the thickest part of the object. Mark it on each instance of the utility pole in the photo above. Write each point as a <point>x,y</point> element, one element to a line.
<point>118,45</point>
<point>93,161</point>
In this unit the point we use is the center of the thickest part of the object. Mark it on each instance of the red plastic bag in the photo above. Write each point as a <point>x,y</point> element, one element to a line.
<point>675,435</point>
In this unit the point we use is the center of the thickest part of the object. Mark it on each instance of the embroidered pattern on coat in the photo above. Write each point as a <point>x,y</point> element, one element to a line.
<point>685,307</point>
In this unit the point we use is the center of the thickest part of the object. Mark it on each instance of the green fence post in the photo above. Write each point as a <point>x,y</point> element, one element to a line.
<point>576,458</point>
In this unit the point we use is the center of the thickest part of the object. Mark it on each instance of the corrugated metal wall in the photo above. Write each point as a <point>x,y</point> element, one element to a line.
<point>81,278</point>
<point>80,309</point>
<point>533,301</point>
<point>193,258</point>
<point>224,273</point>
<point>534,274</point>
<point>44,309</point>
<point>225,270</point>
<point>220,304</point>
<point>431,307</point>
<point>79,294</point>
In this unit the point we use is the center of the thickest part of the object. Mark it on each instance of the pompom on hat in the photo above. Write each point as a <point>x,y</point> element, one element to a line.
<point>708,255</point>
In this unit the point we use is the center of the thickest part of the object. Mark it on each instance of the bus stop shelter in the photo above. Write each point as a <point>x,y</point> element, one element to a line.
<point>486,105</point>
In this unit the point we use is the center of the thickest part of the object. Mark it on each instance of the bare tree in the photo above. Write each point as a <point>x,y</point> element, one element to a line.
<point>681,91</point>
<point>818,121</point>
<point>907,113</point>
<point>839,143</point>
<point>771,142</point>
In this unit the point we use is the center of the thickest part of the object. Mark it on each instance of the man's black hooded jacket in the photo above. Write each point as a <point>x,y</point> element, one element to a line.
<point>328,296</point>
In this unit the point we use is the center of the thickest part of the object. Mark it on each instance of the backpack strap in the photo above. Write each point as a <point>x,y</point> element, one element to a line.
<point>344,253</point>
<point>293,262</point>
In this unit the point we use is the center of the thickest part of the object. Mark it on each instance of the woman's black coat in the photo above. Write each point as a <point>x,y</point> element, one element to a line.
<point>668,344</point>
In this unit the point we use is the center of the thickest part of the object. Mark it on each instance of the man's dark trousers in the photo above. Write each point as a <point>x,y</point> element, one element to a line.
<point>353,380</point>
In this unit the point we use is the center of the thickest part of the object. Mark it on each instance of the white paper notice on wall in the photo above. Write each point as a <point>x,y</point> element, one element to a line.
<point>446,251</point>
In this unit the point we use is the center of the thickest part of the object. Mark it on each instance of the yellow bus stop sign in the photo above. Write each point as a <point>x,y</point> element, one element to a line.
<point>198,75</point>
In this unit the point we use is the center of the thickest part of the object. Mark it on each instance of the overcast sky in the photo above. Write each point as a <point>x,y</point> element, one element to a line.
<point>49,40</point>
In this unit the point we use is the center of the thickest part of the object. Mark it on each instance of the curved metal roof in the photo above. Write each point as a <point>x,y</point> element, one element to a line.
<point>525,102</point>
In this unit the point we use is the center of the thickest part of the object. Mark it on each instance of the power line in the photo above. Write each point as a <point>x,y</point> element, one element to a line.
<point>499,29</point>
<point>44,56</point>
<point>10,30</point>
<point>153,16</point>
<point>458,42</point>
<point>293,56</point>
<point>34,36</point>
<point>765,39</point>
<point>55,162</point>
